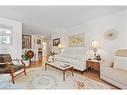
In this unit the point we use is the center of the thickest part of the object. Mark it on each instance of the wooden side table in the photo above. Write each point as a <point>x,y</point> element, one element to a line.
<point>93,65</point>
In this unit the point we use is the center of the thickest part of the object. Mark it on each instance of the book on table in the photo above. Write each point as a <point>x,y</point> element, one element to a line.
<point>64,65</point>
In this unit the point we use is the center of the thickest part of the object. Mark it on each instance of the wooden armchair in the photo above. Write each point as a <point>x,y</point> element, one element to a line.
<point>8,67</point>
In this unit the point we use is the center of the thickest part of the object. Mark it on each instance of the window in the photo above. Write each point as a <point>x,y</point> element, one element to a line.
<point>5,34</point>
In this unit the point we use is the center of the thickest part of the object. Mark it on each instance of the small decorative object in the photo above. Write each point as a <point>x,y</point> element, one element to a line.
<point>51,59</point>
<point>64,65</point>
<point>26,41</point>
<point>76,40</point>
<point>30,55</point>
<point>51,56</point>
<point>94,46</point>
<point>56,42</point>
<point>111,34</point>
<point>98,57</point>
<point>51,53</point>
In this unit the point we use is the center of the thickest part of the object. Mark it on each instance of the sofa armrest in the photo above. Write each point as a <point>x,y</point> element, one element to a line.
<point>106,64</point>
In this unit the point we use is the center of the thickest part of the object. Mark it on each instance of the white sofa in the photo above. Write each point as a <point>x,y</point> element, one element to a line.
<point>76,58</point>
<point>113,75</point>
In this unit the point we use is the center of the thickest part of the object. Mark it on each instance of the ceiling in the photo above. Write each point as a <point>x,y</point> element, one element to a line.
<point>42,20</point>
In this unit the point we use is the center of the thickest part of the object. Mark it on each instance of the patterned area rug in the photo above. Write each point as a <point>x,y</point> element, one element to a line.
<point>52,79</point>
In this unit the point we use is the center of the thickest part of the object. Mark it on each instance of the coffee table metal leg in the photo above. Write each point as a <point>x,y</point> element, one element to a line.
<point>63,75</point>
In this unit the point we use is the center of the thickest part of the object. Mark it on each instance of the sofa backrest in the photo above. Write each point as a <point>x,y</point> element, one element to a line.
<point>121,52</point>
<point>74,52</point>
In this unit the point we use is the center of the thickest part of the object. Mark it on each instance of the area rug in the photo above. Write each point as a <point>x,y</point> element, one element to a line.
<point>52,79</point>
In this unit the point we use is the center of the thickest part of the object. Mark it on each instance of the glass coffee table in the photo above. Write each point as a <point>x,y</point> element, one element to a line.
<point>61,66</point>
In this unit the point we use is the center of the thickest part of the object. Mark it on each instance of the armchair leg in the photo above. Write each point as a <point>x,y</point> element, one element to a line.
<point>24,67</point>
<point>81,72</point>
<point>12,77</point>
<point>24,71</point>
<point>11,73</point>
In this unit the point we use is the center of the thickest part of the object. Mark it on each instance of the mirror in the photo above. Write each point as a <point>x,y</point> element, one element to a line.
<point>5,34</point>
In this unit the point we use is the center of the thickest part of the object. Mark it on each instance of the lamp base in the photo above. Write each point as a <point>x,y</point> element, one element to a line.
<point>95,56</point>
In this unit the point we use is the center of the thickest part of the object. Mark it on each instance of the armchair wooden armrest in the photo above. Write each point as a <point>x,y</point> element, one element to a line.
<point>23,62</point>
<point>19,60</point>
<point>6,63</point>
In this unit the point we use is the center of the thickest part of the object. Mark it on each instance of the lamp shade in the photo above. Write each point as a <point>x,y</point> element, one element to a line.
<point>94,44</point>
<point>60,46</point>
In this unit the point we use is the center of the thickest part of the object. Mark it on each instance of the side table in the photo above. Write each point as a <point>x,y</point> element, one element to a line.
<point>93,65</point>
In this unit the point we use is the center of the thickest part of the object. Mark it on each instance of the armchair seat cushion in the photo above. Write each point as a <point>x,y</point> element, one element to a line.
<point>7,70</point>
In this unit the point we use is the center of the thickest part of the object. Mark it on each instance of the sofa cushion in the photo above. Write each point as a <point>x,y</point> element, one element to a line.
<point>120,63</point>
<point>115,74</point>
<point>72,60</point>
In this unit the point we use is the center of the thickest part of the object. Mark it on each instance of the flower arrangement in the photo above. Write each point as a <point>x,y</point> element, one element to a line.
<point>51,53</point>
<point>25,57</point>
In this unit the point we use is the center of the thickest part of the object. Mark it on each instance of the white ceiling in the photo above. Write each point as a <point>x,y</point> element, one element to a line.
<point>45,19</point>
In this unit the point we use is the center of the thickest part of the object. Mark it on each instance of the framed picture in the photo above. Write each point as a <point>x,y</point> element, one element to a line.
<point>56,42</point>
<point>76,40</point>
<point>26,41</point>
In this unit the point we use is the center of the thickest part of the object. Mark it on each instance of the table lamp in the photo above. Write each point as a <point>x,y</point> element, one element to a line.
<point>60,46</point>
<point>94,46</point>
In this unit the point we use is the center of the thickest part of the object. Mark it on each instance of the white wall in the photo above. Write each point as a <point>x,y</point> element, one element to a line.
<point>95,29</point>
<point>15,49</point>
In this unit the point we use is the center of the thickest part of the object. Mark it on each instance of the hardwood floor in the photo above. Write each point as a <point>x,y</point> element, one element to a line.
<point>90,74</point>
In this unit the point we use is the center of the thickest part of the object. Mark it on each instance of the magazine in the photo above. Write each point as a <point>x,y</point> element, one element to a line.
<point>64,65</point>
